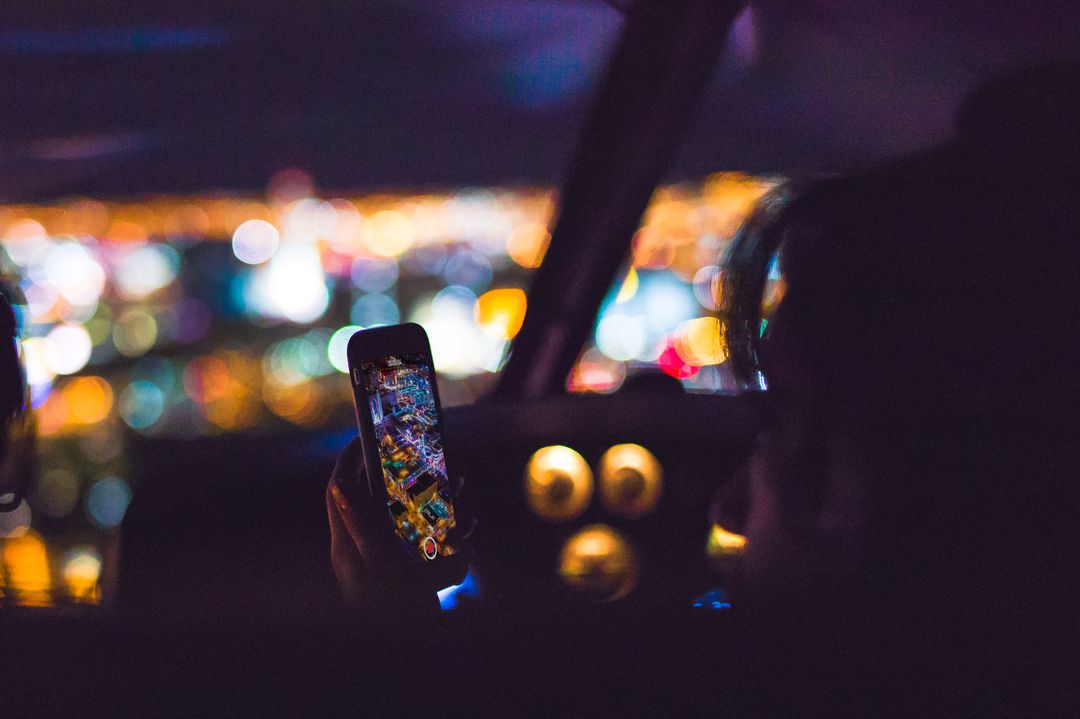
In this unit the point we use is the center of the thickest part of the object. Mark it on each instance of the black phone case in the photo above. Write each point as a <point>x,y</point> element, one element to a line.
<point>376,343</point>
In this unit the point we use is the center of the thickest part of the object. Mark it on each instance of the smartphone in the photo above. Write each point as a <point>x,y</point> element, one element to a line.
<point>401,431</point>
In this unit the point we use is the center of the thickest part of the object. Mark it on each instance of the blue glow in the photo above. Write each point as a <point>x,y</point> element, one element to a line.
<point>39,393</point>
<point>118,40</point>
<point>107,502</point>
<point>449,597</point>
<point>375,310</point>
<point>715,600</point>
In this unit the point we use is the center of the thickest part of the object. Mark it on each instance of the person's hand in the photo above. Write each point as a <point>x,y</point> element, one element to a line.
<point>373,566</point>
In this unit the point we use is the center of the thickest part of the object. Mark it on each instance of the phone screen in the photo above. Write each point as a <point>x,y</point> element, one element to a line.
<point>407,431</point>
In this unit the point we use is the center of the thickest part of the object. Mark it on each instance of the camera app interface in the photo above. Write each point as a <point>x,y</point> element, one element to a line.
<point>410,448</point>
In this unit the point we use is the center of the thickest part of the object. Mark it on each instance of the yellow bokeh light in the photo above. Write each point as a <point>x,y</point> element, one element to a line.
<point>135,332</point>
<point>598,562</point>
<point>528,244</point>
<point>558,483</point>
<point>387,233</point>
<point>206,379</point>
<point>235,411</point>
<point>501,312</point>
<point>699,342</point>
<point>629,287</point>
<point>651,249</point>
<point>52,415</point>
<point>722,543</point>
<point>302,404</point>
<point>26,562</point>
<point>631,480</point>
<point>126,231</point>
<point>81,573</point>
<point>186,220</point>
<point>87,400</point>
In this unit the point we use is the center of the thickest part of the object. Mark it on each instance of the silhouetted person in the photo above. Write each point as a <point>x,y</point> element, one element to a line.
<point>914,498</point>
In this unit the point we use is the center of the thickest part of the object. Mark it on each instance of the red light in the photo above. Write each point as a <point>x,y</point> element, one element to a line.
<point>671,363</point>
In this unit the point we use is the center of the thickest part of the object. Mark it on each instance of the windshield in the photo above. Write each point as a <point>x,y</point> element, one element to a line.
<point>158,306</point>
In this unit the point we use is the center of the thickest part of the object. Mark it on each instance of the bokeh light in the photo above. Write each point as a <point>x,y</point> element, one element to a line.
<point>107,502</point>
<point>81,572</point>
<point>387,233</point>
<point>528,244</point>
<point>206,379</point>
<point>255,241</point>
<point>138,316</point>
<point>15,523</point>
<point>631,480</point>
<point>144,270</point>
<point>26,562</point>
<point>374,274</point>
<point>88,399</point>
<point>291,286</point>
<point>558,483</point>
<point>722,543</point>
<point>337,349</point>
<point>501,312</point>
<point>141,404</point>
<point>67,348</point>
<point>599,563</point>
<point>57,492</point>
<point>135,332</point>
<point>374,310</point>
<point>700,342</point>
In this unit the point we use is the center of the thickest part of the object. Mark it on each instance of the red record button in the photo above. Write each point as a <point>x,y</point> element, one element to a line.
<point>430,548</point>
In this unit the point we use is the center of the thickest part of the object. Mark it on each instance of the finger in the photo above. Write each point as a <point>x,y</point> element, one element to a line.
<point>344,514</point>
<point>369,527</point>
<point>349,467</point>
<point>345,557</point>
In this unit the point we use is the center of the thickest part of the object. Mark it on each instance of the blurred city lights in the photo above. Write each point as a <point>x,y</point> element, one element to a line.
<point>15,523</point>
<point>621,337</point>
<point>501,312</point>
<point>469,269</point>
<point>374,274</point>
<point>134,332</point>
<point>26,562</point>
<point>144,270</point>
<point>82,569</point>
<point>291,286</point>
<point>88,399</point>
<point>387,233</point>
<point>136,312</point>
<point>69,267</point>
<point>700,342</point>
<point>707,284</point>
<point>374,310</point>
<point>206,379</point>
<point>255,241</point>
<point>337,349</point>
<point>107,501</point>
<point>528,244</point>
<point>57,492</point>
<point>141,404</point>
<point>38,372</point>
<point>558,483</point>
<point>628,288</point>
<point>671,363</point>
<point>67,348</point>
<point>596,372</point>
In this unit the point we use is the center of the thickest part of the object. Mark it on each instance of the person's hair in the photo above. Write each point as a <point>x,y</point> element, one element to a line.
<point>936,302</point>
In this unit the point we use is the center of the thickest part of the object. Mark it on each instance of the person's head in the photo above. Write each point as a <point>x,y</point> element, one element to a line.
<point>923,366</point>
<point>16,428</point>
